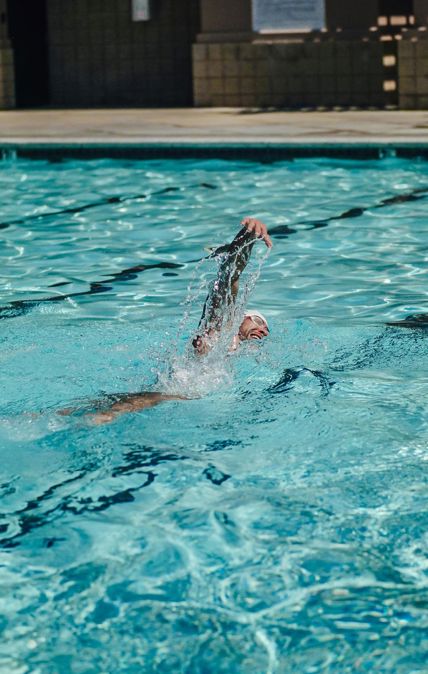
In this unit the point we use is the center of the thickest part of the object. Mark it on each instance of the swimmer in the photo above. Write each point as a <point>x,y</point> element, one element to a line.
<point>218,313</point>
<point>219,306</point>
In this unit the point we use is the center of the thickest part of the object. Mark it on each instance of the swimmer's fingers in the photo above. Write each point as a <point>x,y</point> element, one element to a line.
<point>259,229</point>
<point>201,345</point>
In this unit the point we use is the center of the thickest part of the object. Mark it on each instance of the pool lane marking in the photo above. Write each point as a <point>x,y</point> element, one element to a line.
<point>283,231</point>
<point>21,307</point>
<point>103,202</point>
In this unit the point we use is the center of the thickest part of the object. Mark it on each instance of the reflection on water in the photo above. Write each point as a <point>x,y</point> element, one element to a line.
<point>276,522</point>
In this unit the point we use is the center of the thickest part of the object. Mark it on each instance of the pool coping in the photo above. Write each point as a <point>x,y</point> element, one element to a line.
<point>269,149</point>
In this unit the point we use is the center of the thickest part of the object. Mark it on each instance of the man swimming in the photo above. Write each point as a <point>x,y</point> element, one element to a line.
<point>219,307</point>
<point>217,316</point>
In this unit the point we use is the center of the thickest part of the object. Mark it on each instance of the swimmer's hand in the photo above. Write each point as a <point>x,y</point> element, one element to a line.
<point>205,342</point>
<point>258,228</point>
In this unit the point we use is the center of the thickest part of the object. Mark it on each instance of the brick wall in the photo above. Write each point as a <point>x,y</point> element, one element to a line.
<point>342,73</point>
<point>413,74</point>
<point>99,57</point>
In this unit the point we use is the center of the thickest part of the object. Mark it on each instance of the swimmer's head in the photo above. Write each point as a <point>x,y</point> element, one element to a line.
<point>254,326</point>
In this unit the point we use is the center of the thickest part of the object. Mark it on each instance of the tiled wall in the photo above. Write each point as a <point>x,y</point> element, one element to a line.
<point>99,57</point>
<point>7,80</point>
<point>314,74</point>
<point>7,76</point>
<point>413,74</point>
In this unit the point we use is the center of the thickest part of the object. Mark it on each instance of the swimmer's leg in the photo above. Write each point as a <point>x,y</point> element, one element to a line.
<point>131,402</point>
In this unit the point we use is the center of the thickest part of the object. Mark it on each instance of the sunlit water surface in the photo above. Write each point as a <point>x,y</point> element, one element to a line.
<point>277,521</point>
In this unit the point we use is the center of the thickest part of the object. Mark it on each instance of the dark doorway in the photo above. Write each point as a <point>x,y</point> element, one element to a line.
<point>28,34</point>
<point>398,7</point>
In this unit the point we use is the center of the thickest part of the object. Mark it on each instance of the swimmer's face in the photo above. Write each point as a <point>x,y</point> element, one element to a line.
<point>253,328</point>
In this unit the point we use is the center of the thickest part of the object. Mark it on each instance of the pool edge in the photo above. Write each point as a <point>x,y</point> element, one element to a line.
<point>269,150</point>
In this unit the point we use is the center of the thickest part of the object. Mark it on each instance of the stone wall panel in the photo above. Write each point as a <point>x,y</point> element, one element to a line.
<point>300,74</point>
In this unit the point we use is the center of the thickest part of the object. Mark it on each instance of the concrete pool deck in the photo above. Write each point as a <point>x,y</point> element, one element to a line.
<point>211,125</point>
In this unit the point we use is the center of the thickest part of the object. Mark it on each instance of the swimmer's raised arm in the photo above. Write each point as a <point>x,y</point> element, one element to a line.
<point>234,259</point>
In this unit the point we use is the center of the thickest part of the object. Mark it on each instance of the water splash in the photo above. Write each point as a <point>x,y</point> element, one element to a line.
<point>181,370</point>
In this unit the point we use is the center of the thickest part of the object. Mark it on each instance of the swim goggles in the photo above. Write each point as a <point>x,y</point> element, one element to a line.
<point>257,318</point>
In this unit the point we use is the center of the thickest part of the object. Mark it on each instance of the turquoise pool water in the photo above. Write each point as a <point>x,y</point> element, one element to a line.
<point>277,522</point>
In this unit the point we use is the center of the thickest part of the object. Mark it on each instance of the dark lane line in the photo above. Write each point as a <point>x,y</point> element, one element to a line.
<point>103,202</point>
<point>20,307</point>
<point>283,231</point>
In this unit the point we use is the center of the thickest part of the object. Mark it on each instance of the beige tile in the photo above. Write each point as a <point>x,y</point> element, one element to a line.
<point>407,85</point>
<point>201,84</point>
<point>217,100</point>
<point>214,68</point>
<point>247,85</point>
<point>200,69</point>
<point>199,52</point>
<point>247,68</point>
<point>422,49</point>
<point>230,52</point>
<point>249,100</point>
<point>215,52</point>
<point>280,51</point>
<point>422,85</point>
<point>232,100</point>
<point>406,67</point>
<point>216,85</point>
<point>421,67</point>
<point>260,69</point>
<point>247,52</point>
<point>201,98</point>
<point>261,52</point>
<point>264,101</point>
<point>230,68</point>
<point>406,49</point>
<point>232,85</point>
<point>6,57</point>
<point>9,88</point>
<point>262,85</point>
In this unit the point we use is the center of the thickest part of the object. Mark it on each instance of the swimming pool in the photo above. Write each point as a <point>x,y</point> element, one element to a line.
<point>277,523</point>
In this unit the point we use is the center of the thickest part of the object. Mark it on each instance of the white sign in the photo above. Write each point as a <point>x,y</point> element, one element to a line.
<point>273,16</point>
<point>140,10</point>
